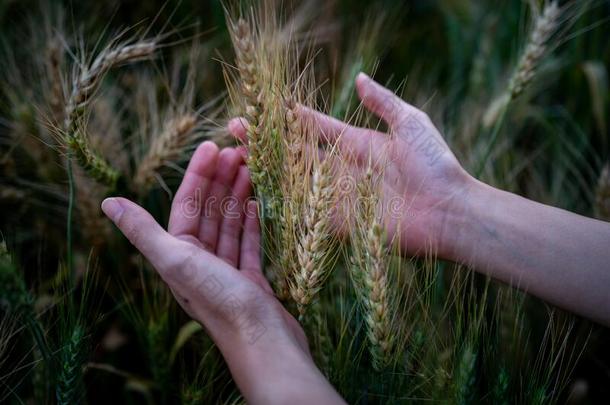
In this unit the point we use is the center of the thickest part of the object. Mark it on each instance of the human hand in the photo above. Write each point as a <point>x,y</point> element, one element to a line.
<point>210,259</point>
<point>422,181</point>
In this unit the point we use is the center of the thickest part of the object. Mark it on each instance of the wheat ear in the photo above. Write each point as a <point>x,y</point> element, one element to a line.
<point>54,72</point>
<point>545,27</point>
<point>377,300</point>
<point>157,340</point>
<point>538,44</point>
<point>165,147</point>
<point>290,218</point>
<point>245,54</point>
<point>312,249</point>
<point>84,85</point>
<point>369,272</point>
<point>70,388</point>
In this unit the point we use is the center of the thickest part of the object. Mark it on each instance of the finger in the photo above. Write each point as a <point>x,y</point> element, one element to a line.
<point>384,103</point>
<point>243,151</point>
<point>238,127</point>
<point>353,142</point>
<point>250,256</point>
<point>186,207</point>
<point>226,169</point>
<point>232,218</point>
<point>141,229</point>
<point>330,128</point>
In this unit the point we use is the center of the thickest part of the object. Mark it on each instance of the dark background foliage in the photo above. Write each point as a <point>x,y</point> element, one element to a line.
<point>430,43</point>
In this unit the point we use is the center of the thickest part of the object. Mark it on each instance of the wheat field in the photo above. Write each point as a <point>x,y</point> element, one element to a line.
<point>112,98</point>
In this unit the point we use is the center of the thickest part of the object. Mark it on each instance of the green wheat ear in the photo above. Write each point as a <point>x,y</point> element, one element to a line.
<point>69,389</point>
<point>13,294</point>
<point>158,351</point>
<point>93,164</point>
<point>15,298</point>
<point>465,378</point>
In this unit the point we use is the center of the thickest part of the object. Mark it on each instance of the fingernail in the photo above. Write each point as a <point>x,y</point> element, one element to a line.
<point>362,82</point>
<point>236,124</point>
<point>112,208</point>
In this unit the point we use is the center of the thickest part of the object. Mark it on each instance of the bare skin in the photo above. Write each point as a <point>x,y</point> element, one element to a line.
<point>210,259</point>
<point>556,255</point>
<point>553,254</point>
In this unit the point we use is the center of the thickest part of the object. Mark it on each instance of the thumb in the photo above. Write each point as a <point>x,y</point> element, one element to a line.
<point>140,228</point>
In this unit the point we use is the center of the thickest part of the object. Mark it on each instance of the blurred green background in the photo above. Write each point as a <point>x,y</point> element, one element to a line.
<point>449,57</point>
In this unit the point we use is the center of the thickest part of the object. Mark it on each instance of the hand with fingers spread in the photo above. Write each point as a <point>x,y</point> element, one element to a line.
<point>431,204</point>
<point>422,177</point>
<point>210,259</point>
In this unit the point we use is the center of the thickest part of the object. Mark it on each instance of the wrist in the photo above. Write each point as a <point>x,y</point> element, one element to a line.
<point>458,230</point>
<point>275,370</point>
<point>269,363</point>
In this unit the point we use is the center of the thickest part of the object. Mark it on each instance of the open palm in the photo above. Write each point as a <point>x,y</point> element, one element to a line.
<point>210,255</point>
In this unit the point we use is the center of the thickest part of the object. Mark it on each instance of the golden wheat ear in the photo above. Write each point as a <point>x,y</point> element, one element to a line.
<point>540,41</point>
<point>369,260</point>
<point>86,81</point>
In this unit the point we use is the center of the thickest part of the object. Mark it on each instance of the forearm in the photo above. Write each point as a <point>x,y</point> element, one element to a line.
<point>556,255</point>
<point>269,371</point>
